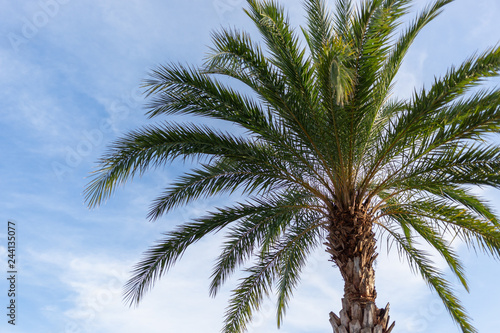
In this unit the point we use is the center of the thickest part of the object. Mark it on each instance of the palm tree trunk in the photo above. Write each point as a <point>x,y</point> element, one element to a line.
<point>351,243</point>
<point>357,317</point>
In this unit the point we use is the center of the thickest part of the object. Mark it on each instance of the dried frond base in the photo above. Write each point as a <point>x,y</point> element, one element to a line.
<point>359,317</point>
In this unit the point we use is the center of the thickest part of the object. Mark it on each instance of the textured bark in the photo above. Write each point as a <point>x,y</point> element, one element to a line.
<point>351,244</point>
<point>357,318</point>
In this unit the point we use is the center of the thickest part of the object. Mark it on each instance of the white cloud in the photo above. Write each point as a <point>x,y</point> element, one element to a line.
<point>96,285</point>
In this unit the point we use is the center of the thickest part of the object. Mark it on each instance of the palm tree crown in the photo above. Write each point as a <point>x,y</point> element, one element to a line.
<point>329,157</point>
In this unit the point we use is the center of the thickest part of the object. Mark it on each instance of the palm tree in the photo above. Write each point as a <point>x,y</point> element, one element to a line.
<point>328,157</point>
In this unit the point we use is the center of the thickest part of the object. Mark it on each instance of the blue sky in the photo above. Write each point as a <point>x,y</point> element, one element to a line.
<point>69,77</point>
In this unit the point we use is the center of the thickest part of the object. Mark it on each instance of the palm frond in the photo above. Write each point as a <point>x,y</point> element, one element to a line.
<point>154,146</point>
<point>425,223</point>
<point>390,68</point>
<point>259,230</point>
<point>299,242</point>
<point>248,296</point>
<point>159,258</point>
<point>181,90</point>
<point>343,19</point>
<point>421,263</point>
